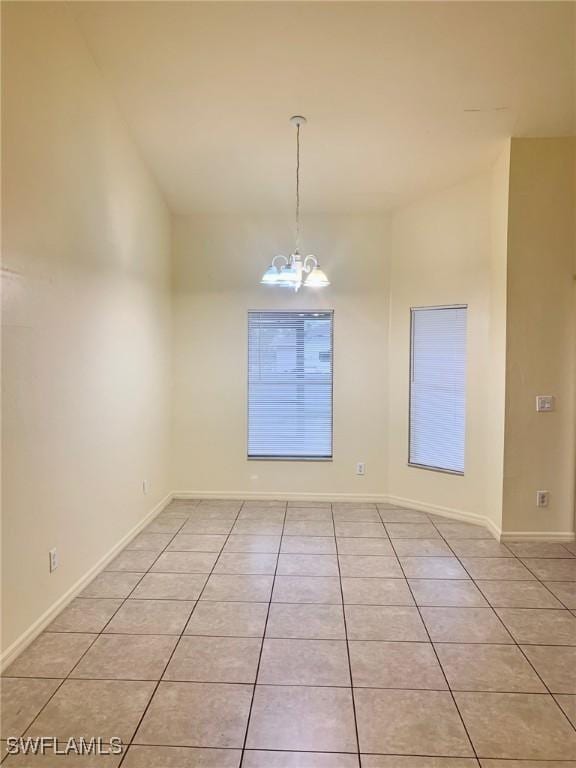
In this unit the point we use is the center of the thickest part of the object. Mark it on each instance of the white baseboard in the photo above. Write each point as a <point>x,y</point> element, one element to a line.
<point>30,634</point>
<point>49,615</point>
<point>280,496</point>
<point>560,536</point>
<point>378,498</point>
<point>449,513</point>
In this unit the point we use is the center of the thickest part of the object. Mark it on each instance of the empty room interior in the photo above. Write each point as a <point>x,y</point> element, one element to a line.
<point>288,384</point>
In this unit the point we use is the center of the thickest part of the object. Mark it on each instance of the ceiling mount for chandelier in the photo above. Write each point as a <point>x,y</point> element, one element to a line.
<point>294,271</point>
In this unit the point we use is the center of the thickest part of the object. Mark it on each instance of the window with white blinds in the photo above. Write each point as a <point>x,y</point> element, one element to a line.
<point>438,388</point>
<point>290,385</point>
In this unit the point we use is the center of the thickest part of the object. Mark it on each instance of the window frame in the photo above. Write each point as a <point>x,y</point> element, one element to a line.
<point>298,311</point>
<point>416,465</point>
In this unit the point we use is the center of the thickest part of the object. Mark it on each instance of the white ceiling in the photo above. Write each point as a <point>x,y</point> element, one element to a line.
<point>401,97</point>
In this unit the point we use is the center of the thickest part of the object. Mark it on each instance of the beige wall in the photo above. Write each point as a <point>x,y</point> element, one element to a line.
<point>450,249</point>
<point>86,317</point>
<point>540,336</point>
<point>218,262</point>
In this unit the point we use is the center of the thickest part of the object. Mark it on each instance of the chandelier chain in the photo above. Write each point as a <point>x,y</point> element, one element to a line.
<point>298,188</point>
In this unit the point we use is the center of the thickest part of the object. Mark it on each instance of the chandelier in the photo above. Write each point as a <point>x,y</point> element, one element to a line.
<point>295,271</point>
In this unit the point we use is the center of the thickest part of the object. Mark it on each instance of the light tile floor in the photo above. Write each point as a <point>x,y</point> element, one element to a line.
<point>292,635</point>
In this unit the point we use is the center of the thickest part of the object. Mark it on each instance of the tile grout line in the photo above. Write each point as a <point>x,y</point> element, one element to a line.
<point>97,635</point>
<point>244,743</point>
<point>347,642</point>
<point>185,624</point>
<point>438,658</point>
<point>515,642</point>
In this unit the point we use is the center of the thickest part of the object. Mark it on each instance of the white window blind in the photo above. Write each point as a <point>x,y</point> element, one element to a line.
<point>290,385</point>
<point>438,388</point>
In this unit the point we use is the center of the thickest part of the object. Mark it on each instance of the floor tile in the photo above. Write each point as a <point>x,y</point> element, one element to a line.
<point>308,545</point>
<point>360,530</point>
<point>306,589</point>
<point>570,546</point>
<point>542,627</point>
<point>309,513</point>
<point>151,617</point>
<point>548,569</point>
<point>538,549</point>
<point>556,665</point>
<point>364,546</point>
<point>164,525</point>
<point>196,715</point>
<point>86,708</point>
<point>170,586</point>
<point>356,516</point>
<point>208,526</point>
<point>197,542</point>
<point>52,654</point>
<point>479,548</point>
<point>181,757</point>
<point>21,700</point>
<point>185,562</point>
<point>135,560</point>
<point>247,589</point>
<point>228,619</point>
<point>412,531</point>
<point>370,566</point>
<point>446,592</point>
<point>408,722</point>
<point>126,657</point>
<point>488,763</point>
<point>258,527</point>
<point>250,563</point>
<point>463,531</point>
<point>403,516</point>
<point>302,620</point>
<point>269,759</point>
<point>302,718</point>
<point>518,594</point>
<point>268,514</point>
<point>346,506</point>
<point>422,548</point>
<point>384,622</point>
<point>432,568</point>
<point>112,584</point>
<point>464,625</point>
<point>304,662</point>
<point>85,615</point>
<point>517,726</point>
<point>479,667</point>
<point>376,592</point>
<point>215,660</point>
<point>565,591</point>
<point>568,706</point>
<point>306,503</point>
<point>395,665</point>
<point>499,568</point>
<point>308,528</point>
<point>151,542</point>
<point>270,544</point>
<point>412,761</point>
<point>308,565</point>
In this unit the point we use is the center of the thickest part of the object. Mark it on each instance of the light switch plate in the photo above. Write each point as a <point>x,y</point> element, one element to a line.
<point>544,403</point>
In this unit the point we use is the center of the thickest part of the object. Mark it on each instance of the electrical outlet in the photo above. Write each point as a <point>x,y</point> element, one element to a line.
<point>542,498</point>
<point>544,403</point>
<point>360,468</point>
<point>144,487</point>
<point>53,559</point>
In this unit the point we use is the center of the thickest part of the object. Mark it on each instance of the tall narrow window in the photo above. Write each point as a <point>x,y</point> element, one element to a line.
<point>290,385</point>
<point>438,388</point>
